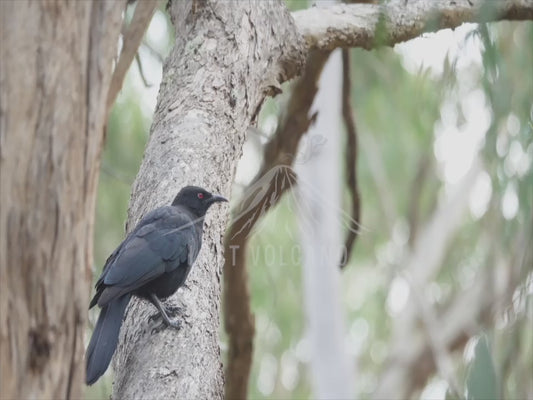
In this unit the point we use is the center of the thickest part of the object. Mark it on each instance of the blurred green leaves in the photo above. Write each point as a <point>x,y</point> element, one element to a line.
<point>482,382</point>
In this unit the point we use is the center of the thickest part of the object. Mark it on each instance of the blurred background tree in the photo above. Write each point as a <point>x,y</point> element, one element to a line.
<point>438,295</point>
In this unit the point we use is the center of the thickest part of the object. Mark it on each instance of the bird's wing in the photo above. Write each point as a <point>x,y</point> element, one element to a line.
<point>159,244</point>
<point>110,260</point>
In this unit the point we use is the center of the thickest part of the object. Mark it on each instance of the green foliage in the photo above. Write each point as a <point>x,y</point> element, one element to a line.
<point>295,5</point>
<point>482,382</point>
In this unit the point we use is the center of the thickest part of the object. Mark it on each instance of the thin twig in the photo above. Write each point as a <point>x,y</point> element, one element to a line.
<point>141,71</point>
<point>153,51</point>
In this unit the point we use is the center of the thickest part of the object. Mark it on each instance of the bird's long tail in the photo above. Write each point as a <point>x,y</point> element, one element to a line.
<point>105,338</point>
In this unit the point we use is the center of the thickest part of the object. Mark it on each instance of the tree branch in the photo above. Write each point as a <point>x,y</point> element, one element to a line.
<point>274,178</point>
<point>132,37</point>
<point>358,25</point>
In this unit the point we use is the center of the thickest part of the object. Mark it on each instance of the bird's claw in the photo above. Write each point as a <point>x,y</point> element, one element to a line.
<point>170,310</point>
<point>158,328</point>
<point>154,317</point>
<point>176,324</point>
<point>173,309</point>
<point>171,324</point>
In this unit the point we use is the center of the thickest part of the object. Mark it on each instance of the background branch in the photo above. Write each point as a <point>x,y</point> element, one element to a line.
<point>280,151</point>
<point>131,40</point>
<point>370,25</point>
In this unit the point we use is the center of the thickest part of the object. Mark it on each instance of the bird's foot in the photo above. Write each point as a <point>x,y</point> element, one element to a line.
<point>176,324</point>
<point>164,312</point>
<point>174,309</point>
<point>171,310</point>
<point>154,317</point>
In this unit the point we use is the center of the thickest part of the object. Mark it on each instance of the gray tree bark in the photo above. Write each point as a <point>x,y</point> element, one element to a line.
<point>56,64</point>
<point>227,58</point>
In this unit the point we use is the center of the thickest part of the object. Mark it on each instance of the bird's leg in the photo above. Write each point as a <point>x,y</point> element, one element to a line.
<point>156,302</point>
<point>171,311</point>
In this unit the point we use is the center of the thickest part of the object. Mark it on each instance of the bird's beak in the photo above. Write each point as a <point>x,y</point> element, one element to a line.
<point>216,198</point>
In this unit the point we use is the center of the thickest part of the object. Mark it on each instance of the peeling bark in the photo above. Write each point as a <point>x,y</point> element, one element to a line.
<point>227,58</point>
<point>56,64</point>
<point>350,160</point>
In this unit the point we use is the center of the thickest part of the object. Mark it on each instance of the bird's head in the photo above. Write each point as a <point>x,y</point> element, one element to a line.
<point>196,199</point>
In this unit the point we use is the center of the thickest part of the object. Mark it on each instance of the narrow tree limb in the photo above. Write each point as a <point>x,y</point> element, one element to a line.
<point>370,25</point>
<point>281,150</point>
<point>139,64</point>
<point>132,37</point>
<point>350,160</point>
<point>156,54</point>
<point>274,178</point>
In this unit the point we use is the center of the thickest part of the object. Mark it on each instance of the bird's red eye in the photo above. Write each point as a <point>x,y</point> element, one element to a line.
<point>200,195</point>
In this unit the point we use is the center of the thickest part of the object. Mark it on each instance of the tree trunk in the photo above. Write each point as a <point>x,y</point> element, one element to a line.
<point>227,58</point>
<point>56,64</point>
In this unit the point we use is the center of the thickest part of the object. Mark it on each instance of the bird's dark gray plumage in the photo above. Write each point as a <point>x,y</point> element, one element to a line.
<point>152,262</point>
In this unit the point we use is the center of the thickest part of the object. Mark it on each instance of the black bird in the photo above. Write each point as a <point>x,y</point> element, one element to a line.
<point>152,262</point>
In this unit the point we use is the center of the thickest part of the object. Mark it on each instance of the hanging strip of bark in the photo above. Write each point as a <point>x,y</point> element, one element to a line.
<point>350,161</point>
<point>274,179</point>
